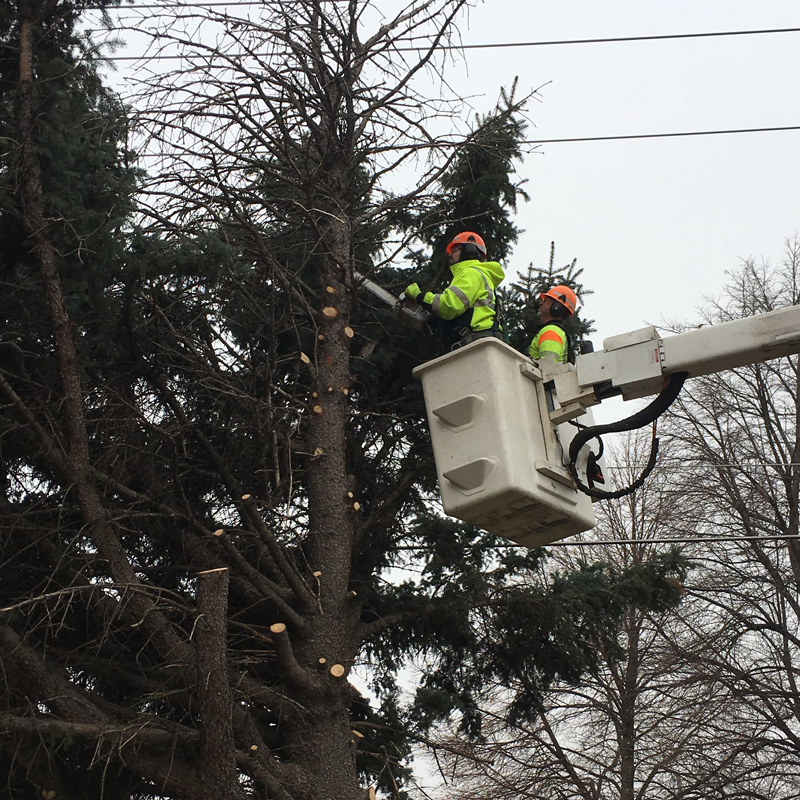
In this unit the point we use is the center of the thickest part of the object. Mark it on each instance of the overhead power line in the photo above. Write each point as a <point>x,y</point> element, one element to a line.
<point>617,138</point>
<point>682,540</point>
<point>611,39</point>
<point>662,135</point>
<point>500,45</point>
<point>613,138</point>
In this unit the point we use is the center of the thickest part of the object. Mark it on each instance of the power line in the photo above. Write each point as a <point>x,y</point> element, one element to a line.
<point>612,39</point>
<point>611,138</point>
<point>694,540</point>
<point>662,135</point>
<point>664,540</point>
<point>670,460</point>
<point>502,45</point>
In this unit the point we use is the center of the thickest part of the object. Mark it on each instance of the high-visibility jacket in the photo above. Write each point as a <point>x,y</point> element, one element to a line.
<point>472,291</point>
<point>551,340</point>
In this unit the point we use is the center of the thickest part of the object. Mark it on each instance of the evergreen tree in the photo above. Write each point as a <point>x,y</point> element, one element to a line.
<point>521,301</point>
<point>215,455</point>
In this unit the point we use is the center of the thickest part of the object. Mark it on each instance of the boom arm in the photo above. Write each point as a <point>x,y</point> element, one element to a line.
<point>637,363</point>
<point>508,460</point>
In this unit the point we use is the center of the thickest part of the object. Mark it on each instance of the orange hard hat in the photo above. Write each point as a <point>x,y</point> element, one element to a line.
<point>468,237</point>
<point>563,295</point>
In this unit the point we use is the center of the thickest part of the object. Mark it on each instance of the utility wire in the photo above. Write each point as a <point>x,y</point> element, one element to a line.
<point>695,540</point>
<point>664,540</point>
<point>611,138</point>
<point>547,43</point>
<point>707,464</point>
<point>502,45</point>
<point>662,135</point>
<point>611,39</point>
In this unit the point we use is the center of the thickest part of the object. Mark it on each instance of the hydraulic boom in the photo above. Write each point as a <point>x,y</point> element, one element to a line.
<point>501,425</point>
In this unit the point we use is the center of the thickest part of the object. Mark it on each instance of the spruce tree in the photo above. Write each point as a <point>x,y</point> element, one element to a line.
<point>215,456</point>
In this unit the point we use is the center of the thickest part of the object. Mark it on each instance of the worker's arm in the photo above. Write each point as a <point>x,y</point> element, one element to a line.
<point>456,299</point>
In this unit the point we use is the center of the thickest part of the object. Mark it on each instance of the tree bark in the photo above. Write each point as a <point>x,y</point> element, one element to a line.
<point>217,758</point>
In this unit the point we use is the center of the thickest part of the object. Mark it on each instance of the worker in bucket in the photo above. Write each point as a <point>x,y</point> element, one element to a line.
<point>468,307</point>
<point>555,306</point>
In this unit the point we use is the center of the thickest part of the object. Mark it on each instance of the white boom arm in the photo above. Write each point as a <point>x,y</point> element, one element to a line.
<point>636,364</point>
<point>501,424</point>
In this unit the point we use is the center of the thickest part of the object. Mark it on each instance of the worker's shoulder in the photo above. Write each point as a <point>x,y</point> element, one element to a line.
<point>552,331</point>
<point>474,270</point>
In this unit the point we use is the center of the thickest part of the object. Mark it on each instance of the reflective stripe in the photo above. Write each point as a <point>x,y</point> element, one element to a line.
<point>550,336</point>
<point>551,340</point>
<point>462,298</point>
<point>460,295</point>
<point>487,301</point>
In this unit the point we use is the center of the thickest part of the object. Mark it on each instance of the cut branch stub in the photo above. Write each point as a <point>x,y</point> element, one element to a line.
<point>277,628</point>
<point>337,670</point>
<point>349,332</point>
<point>330,312</point>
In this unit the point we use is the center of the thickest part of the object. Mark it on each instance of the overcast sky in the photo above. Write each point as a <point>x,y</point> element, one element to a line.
<point>655,223</point>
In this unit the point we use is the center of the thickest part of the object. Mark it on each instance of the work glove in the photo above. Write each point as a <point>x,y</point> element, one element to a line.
<point>413,291</point>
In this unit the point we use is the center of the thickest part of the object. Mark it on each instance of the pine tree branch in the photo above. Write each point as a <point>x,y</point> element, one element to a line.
<point>280,561</point>
<point>263,585</point>
<point>295,675</point>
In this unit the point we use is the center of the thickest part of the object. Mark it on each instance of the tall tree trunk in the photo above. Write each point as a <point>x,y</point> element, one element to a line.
<point>627,710</point>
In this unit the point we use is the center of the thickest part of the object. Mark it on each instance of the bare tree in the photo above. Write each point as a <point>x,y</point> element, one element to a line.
<point>698,702</point>
<point>620,732</point>
<point>740,464</point>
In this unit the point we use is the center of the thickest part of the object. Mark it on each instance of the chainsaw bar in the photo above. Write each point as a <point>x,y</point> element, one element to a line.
<point>414,314</point>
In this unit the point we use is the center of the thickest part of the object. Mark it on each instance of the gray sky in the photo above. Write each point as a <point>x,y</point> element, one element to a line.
<point>655,223</point>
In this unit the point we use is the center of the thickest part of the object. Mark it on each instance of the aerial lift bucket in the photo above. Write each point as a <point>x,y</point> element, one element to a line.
<point>500,460</point>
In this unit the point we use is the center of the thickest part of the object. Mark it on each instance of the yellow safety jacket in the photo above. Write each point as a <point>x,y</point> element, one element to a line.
<point>471,290</point>
<point>551,340</point>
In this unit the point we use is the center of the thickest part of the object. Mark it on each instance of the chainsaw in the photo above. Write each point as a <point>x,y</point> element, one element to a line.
<point>403,306</point>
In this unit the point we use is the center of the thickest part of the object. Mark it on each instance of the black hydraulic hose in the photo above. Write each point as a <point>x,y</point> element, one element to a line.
<point>648,414</point>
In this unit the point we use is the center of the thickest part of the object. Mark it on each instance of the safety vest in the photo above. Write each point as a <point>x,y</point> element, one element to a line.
<point>470,298</point>
<point>551,340</point>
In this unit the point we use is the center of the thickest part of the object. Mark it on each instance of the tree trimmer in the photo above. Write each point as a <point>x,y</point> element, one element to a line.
<point>409,310</point>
